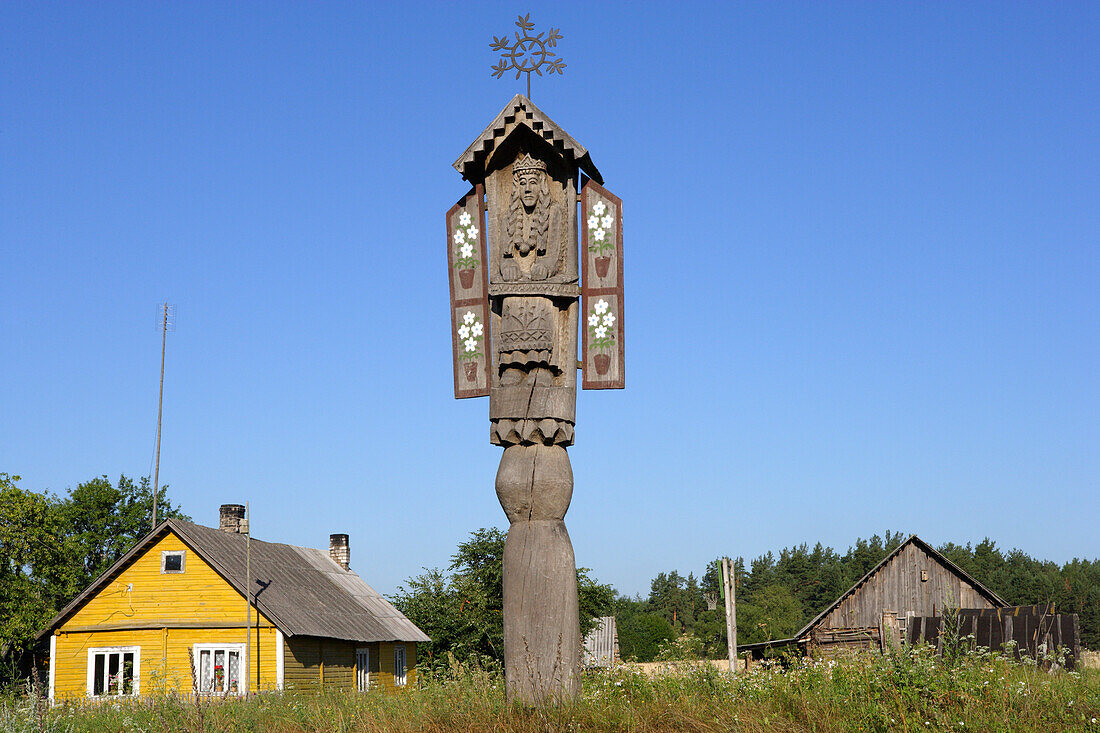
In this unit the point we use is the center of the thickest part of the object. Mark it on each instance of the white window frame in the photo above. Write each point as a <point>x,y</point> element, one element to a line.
<point>197,650</point>
<point>163,561</point>
<point>362,675</point>
<point>400,675</point>
<point>109,650</point>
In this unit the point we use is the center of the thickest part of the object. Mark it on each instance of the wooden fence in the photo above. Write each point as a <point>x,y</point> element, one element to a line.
<point>1036,630</point>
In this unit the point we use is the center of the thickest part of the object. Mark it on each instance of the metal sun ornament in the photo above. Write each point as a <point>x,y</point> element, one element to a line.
<point>528,53</point>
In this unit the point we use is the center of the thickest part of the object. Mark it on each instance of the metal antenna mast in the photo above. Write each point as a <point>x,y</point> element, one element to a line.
<point>166,313</point>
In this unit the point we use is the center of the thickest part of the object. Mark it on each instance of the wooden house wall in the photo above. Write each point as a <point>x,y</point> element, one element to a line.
<point>897,586</point>
<point>164,661</point>
<point>313,663</point>
<point>165,615</point>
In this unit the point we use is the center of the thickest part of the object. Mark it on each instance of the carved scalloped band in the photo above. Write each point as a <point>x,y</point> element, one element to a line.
<point>547,431</point>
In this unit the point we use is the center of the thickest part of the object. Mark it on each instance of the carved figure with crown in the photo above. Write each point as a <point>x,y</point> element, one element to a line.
<point>526,174</point>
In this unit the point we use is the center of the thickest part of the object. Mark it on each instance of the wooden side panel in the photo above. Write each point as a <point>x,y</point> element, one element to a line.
<point>141,593</point>
<point>898,587</point>
<point>469,283</point>
<point>385,677</point>
<point>338,658</point>
<point>164,660</point>
<point>603,350</point>
<point>312,663</point>
<point>301,663</point>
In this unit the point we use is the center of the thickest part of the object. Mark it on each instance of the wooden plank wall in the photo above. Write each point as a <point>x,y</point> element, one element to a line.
<point>312,663</point>
<point>1035,629</point>
<point>897,586</point>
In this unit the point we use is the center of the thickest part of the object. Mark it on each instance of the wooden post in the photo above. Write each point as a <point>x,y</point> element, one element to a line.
<point>247,601</point>
<point>731,613</point>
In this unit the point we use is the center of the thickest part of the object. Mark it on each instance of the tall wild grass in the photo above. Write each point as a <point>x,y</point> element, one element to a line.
<point>908,690</point>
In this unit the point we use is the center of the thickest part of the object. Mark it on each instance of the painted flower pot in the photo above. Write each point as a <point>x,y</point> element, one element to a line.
<point>601,266</point>
<point>603,361</point>
<point>471,370</point>
<point>466,277</point>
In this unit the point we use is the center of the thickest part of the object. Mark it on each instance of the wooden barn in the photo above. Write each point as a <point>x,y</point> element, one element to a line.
<point>913,581</point>
<point>171,615</point>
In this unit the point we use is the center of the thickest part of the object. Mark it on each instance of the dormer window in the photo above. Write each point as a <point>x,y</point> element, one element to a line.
<point>172,561</point>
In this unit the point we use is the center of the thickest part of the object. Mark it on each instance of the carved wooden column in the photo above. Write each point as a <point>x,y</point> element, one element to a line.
<point>529,170</point>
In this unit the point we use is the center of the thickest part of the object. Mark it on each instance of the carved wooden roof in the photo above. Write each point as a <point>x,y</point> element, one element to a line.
<point>521,112</point>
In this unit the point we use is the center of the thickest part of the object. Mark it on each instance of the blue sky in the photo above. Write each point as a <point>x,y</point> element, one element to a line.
<point>862,269</point>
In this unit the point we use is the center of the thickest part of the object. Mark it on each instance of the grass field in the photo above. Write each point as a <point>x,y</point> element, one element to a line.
<point>906,691</point>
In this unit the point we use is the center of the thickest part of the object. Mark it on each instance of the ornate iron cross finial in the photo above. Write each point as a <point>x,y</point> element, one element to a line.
<point>529,53</point>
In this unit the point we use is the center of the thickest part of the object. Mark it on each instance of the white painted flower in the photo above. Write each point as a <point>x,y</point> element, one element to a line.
<point>467,250</point>
<point>601,306</point>
<point>477,329</point>
<point>464,219</point>
<point>464,332</point>
<point>471,233</point>
<point>593,222</point>
<point>599,208</point>
<point>609,320</point>
<point>593,319</point>
<point>607,221</point>
<point>469,317</point>
<point>459,237</point>
<point>601,331</point>
<point>599,234</point>
<point>471,344</point>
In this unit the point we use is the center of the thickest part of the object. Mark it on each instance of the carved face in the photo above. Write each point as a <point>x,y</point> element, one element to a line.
<point>529,182</point>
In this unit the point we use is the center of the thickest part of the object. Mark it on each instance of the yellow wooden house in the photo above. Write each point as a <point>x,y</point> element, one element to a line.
<point>171,615</point>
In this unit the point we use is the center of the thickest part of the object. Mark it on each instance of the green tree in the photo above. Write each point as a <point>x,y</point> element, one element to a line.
<point>461,609</point>
<point>641,635</point>
<point>771,612</point>
<point>102,521</point>
<point>51,549</point>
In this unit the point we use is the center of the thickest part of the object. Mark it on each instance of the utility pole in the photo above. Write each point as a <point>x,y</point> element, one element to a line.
<point>731,612</point>
<point>165,312</point>
<point>247,598</point>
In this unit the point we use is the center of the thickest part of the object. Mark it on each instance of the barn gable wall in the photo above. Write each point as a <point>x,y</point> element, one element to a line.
<point>897,586</point>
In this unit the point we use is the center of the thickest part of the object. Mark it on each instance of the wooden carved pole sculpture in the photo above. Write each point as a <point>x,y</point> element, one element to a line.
<point>516,290</point>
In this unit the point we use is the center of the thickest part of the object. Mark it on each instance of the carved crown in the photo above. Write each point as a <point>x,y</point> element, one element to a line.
<point>528,164</point>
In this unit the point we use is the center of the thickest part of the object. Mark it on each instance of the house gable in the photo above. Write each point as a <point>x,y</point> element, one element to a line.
<point>140,595</point>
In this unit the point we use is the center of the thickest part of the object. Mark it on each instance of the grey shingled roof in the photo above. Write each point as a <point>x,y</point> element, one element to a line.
<point>300,590</point>
<point>520,110</point>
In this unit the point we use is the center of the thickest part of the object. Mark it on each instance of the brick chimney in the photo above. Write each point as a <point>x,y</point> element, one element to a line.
<point>339,550</point>
<point>231,518</point>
